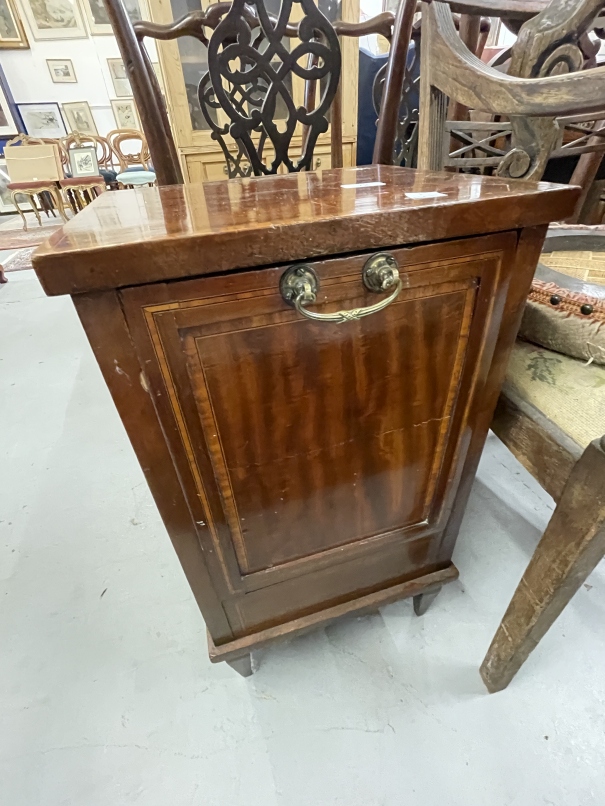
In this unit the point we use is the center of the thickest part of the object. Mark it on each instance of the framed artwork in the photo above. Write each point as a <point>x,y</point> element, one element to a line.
<point>42,120</point>
<point>98,20</point>
<point>83,162</point>
<point>54,19</point>
<point>119,79</point>
<point>12,32</point>
<point>125,113</point>
<point>61,71</point>
<point>79,117</point>
<point>6,203</point>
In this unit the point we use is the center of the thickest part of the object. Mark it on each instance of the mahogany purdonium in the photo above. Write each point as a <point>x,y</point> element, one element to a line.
<point>306,366</point>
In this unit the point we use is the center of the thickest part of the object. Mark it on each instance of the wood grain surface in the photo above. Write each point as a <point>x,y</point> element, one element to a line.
<point>304,469</point>
<point>154,234</point>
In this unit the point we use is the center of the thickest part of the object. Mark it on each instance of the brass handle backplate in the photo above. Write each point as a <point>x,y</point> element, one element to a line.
<point>299,286</point>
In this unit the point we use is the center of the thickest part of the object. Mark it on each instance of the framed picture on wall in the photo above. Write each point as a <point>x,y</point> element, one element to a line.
<point>54,19</point>
<point>12,32</point>
<point>79,117</point>
<point>119,79</point>
<point>8,124</point>
<point>125,113</point>
<point>98,20</point>
<point>42,120</point>
<point>83,162</point>
<point>61,71</point>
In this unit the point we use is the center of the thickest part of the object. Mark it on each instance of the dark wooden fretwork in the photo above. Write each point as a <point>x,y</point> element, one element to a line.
<point>406,133</point>
<point>248,78</point>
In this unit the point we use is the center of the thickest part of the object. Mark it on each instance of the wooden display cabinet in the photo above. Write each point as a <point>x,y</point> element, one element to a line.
<point>183,62</point>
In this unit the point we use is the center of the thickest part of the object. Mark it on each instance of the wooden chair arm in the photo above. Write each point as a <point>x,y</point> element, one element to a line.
<point>551,39</point>
<point>460,75</point>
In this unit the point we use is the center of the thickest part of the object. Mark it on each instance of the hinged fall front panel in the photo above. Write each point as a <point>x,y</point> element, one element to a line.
<point>304,445</point>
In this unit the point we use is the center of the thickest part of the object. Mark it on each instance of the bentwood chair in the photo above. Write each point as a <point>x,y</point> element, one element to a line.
<point>251,111</point>
<point>132,151</point>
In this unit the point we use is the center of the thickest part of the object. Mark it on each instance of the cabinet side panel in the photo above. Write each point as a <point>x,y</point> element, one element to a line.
<point>518,271</point>
<point>107,332</point>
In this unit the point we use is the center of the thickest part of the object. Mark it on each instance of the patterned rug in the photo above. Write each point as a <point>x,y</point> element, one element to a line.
<point>20,261</point>
<point>21,239</point>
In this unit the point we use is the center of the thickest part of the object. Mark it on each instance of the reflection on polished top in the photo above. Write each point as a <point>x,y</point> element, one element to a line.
<point>152,234</point>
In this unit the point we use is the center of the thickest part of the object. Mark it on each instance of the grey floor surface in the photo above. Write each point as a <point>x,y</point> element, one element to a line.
<point>107,696</point>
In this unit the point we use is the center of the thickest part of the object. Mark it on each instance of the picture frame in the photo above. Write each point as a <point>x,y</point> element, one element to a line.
<point>98,21</point>
<point>83,162</point>
<point>54,19</point>
<point>42,120</point>
<point>119,79</point>
<point>6,202</point>
<point>126,114</point>
<point>8,124</point>
<point>79,117</point>
<point>61,70</point>
<point>12,32</point>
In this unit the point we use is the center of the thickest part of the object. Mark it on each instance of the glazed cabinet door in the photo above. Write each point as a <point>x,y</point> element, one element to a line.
<point>320,458</point>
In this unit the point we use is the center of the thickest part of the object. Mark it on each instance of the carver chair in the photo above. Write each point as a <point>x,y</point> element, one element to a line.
<point>551,413</point>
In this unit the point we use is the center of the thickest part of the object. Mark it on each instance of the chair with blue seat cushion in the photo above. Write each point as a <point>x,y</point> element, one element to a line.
<point>130,147</point>
<point>135,178</point>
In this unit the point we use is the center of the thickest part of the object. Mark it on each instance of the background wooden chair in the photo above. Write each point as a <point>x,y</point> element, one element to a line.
<point>132,152</point>
<point>80,191</point>
<point>541,384</point>
<point>551,415</point>
<point>106,156</point>
<point>479,137</point>
<point>42,193</point>
<point>253,115</point>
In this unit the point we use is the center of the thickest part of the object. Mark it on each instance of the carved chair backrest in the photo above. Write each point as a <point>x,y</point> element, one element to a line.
<point>404,132</point>
<point>247,95</point>
<point>130,147</point>
<point>106,156</point>
<point>531,109</point>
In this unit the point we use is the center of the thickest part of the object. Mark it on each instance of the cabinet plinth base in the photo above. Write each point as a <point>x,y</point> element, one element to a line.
<point>237,649</point>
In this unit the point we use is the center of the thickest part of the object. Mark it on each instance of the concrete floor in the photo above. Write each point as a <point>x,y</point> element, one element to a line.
<point>107,696</point>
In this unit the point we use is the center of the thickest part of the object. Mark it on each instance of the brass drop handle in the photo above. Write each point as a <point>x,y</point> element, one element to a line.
<point>299,286</point>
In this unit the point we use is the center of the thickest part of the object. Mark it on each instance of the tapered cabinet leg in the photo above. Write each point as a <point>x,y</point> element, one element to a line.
<point>242,665</point>
<point>423,601</point>
<point>570,548</point>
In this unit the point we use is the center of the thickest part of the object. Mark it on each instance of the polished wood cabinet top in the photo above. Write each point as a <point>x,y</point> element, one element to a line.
<point>132,237</point>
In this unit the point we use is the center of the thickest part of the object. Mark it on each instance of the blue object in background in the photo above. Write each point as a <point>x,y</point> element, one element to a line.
<point>369,65</point>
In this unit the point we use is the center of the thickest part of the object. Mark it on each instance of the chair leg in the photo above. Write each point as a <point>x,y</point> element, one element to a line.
<point>14,195</point>
<point>570,548</point>
<point>242,665</point>
<point>423,601</point>
<point>58,203</point>
<point>32,201</point>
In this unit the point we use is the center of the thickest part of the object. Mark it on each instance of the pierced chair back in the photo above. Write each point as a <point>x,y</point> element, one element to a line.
<point>106,156</point>
<point>250,95</point>
<point>525,114</point>
<point>130,148</point>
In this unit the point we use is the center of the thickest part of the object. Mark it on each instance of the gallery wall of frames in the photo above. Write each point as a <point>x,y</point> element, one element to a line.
<point>61,69</point>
